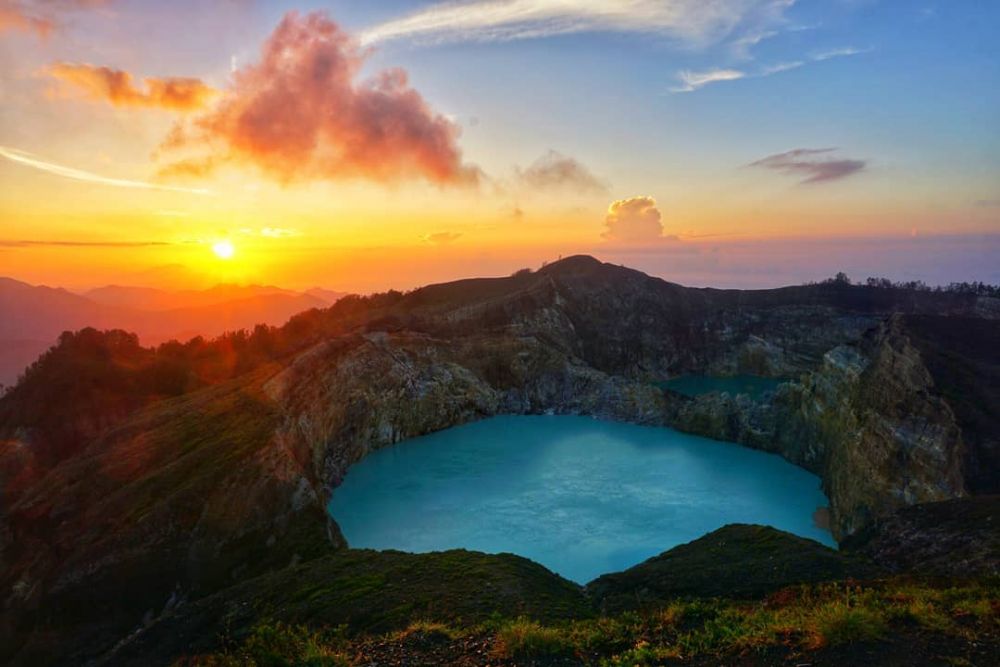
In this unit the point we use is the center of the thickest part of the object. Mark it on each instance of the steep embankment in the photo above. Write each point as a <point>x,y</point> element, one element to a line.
<point>870,420</point>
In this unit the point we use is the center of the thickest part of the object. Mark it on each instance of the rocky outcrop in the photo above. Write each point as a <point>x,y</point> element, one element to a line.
<point>953,538</point>
<point>867,420</point>
<point>332,408</point>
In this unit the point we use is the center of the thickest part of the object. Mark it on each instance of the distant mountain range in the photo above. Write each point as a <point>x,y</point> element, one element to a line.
<point>32,317</point>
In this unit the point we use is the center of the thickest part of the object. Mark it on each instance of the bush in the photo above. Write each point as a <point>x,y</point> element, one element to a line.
<point>524,638</point>
<point>838,623</point>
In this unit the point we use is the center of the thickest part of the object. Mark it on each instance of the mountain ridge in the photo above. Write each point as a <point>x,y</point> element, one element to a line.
<point>223,482</point>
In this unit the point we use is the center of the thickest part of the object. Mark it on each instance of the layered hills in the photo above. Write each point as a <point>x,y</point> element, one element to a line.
<point>32,317</point>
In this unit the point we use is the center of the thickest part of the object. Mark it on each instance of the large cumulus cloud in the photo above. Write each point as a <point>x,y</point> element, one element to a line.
<point>302,113</point>
<point>633,220</point>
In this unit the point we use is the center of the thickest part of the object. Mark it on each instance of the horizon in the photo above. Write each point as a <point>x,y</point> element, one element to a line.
<point>362,148</point>
<point>200,288</point>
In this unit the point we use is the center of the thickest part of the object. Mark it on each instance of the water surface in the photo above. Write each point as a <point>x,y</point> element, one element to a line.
<point>695,385</point>
<point>582,497</point>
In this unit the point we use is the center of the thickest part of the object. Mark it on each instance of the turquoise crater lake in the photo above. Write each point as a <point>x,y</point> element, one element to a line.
<point>581,496</point>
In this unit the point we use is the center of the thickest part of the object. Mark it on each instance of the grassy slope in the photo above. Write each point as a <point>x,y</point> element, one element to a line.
<point>149,495</point>
<point>369,592</point>
<point>735,561</point>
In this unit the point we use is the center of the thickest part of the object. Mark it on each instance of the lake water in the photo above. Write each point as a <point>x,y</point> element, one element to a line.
<point>582,497</point>
<point>695,385</point>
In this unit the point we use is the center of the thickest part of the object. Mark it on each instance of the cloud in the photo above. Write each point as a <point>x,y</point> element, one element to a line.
<point>692,81</point>
<point>838,53</point>
<point>300,114</point>
<point>554,170</point>
<point>806,162</point>
<point>777,68</point>
<point>16,17</point>
<point>29,160</point>
<point>279,232</point>
<point>81,244</point>
<point>441,238</point>
<point>117,87</point>
<point>988,203</point>
<point>40,17</point>
<point>693,21</point>
<point>636,219</point>
<point>271,232</point>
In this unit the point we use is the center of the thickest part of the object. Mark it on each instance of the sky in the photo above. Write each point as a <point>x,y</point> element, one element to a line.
<point>362,146</point>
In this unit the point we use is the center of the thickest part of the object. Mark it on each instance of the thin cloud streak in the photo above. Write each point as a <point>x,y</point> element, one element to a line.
<point>839,53</point>
<point>26,159</point>
<point>81,244</point>
<point>695,21</point>
<point>691,81</point>
<point>807,162</point>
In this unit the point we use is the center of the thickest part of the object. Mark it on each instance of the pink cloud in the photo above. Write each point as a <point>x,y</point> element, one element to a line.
<point>302,114</point>
<point>39,16</point>
<point>118,88</point>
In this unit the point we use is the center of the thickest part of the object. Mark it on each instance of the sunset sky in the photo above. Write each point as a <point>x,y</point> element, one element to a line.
<point>366,145</point>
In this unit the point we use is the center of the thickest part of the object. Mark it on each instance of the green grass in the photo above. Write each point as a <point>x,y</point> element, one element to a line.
<point>524,638</point>
<point>800,619</point>
<point>280,645</point>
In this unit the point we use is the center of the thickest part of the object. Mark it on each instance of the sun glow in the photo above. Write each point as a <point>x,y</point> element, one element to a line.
<point>224,249</point>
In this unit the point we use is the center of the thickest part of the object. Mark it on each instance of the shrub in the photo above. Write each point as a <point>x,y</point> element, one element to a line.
<point>523,638</point>
<point>839,623</point>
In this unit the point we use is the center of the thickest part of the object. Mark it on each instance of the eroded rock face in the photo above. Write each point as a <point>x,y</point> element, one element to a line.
<point>867,420</point>
<point>425,384</point>
<point>955,538</point>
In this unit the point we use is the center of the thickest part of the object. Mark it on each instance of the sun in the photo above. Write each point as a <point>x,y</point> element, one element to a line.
<point>223,249</point>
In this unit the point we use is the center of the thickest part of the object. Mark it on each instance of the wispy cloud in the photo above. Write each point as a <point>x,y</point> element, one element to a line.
<point>691,81</point>
<point>842,52</point>
<point>812,163</point>
<point>118,88</point>
<point>441,238</point>
<point>491,20</point>
<point>271,232</point>
<point>28,160</point>
<point>41,17</point>
<point>777,68</point>
<point>555,170</point>
<point>6,243</point>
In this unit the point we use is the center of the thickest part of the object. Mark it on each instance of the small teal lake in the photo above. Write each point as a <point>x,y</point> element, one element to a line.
<point>581,496</point>
<point>695,385</point>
